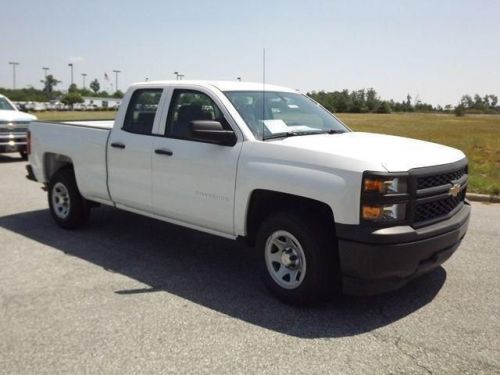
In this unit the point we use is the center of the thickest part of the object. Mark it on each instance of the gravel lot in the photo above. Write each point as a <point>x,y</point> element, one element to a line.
<point>133,295</point>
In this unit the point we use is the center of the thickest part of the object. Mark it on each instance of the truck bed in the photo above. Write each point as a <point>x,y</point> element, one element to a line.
<point>99,124</point>
<point>102,124</point>
<point>83,143</point>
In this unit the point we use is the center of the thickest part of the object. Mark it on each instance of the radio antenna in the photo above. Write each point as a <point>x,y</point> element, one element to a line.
<point>263,89</point>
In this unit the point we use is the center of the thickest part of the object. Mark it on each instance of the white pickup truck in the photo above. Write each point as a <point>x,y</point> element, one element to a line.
<point>13,128</point>
<point>328,209</point>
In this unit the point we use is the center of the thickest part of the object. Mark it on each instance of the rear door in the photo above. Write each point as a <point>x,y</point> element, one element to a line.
<point>130,148</point>
<point>193,181</point>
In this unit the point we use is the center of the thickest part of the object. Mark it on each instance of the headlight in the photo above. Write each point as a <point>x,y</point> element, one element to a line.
<point>384,184</point>
<point>384,197</point>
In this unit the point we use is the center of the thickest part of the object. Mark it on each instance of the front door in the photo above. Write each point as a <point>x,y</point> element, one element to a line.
<point>193,181</point>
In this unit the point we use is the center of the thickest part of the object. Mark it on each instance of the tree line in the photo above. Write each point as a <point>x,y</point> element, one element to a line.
<point>478,104</point>
<point>355,101</point>
<point>368,101</point>
<point>49,92</point>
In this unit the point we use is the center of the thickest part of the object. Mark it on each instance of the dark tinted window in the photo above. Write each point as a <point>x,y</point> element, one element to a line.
<point>141,111</point>
<point>187,106</point>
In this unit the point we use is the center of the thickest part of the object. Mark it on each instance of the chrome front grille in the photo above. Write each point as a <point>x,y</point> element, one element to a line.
<point>8,127</point>
<point>16,129</point>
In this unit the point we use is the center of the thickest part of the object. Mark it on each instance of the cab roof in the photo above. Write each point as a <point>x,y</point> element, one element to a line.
<point>221,85</point>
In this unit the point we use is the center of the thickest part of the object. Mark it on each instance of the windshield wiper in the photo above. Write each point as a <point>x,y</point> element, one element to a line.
<point>304,132</point>
<point>331,131</point>
<point>280,135</point>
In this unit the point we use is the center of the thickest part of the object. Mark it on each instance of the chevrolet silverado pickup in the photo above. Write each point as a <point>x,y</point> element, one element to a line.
<point>13,128</point>
<point>327,209</point>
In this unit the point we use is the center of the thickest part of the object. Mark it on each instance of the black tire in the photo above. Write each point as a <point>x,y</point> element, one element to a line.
<point>24,155</point>
<point>78,208</point>
<point>319,247</point>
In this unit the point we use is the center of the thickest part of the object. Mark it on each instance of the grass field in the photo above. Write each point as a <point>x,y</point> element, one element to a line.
<point>477,135</point>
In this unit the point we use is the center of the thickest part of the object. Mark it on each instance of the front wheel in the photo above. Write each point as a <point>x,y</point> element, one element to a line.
<point>67,206</point>
<point>299,259</point>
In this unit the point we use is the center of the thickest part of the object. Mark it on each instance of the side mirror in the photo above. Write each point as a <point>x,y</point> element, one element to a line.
<point>212,132</point>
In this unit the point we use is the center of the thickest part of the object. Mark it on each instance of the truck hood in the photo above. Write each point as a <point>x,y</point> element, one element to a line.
<point>15,116</point>
<point>395,154</point>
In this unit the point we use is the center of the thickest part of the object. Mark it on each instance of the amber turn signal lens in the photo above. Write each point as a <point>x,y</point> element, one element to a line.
<point>372,212</point>
<point>374,185</point>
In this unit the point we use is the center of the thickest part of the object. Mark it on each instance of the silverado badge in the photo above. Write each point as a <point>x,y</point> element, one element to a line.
<point>454,190</point>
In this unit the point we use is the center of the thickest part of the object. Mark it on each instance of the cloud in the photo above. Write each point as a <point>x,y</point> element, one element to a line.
<point>76,59</point>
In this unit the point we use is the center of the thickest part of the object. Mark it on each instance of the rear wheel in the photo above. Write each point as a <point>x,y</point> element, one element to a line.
<point>299,259</point>
<point>67,206</point>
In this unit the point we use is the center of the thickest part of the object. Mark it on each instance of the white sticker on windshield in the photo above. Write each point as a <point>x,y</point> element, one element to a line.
<point>302,128</point>
<point>276,126</point>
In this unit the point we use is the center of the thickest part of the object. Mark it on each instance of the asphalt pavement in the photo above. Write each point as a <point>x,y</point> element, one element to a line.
<point>128,294</point>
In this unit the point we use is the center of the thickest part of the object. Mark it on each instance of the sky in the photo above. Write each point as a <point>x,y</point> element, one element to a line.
<point>434,50</point>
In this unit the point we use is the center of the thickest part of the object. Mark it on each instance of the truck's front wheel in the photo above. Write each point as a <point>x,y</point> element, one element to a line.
<point>299,261</point>
<point>69,209</point>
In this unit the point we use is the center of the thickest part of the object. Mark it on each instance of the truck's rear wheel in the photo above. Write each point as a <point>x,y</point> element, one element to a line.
<point>67,206</point>
<point>299,261</point>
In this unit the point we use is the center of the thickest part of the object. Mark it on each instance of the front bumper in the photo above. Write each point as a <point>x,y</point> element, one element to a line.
<point>380,260</point>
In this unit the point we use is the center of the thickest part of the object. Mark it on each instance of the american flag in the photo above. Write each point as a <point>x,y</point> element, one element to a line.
<point>106,77</point>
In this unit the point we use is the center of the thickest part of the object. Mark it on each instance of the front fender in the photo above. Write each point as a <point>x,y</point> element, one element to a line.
<point>339,189</point>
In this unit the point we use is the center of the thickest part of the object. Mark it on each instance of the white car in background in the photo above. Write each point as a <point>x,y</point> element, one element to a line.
<point>13,128</point>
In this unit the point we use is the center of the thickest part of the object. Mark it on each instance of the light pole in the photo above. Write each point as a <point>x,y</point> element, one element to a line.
<point>238,79</point>
<point>176,75</point>
<point>13,63</point>
<point>45,72</point>
<point>83,78</point>
<point>181,76</point>
<point>71,67</point>
<point>116,78</point>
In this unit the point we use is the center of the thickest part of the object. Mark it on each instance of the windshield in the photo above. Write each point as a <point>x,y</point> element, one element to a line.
<point>5,105</point>
<point>283,114</point>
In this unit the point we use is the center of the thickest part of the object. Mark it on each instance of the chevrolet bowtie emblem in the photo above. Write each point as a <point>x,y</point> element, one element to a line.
<point>454,190</point>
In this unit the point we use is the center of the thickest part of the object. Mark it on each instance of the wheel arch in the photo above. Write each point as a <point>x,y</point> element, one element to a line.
<point>263,203</point>
<point>54,162</point>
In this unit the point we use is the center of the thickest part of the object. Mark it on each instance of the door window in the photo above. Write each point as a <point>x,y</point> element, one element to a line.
<point>187,106</point>
<point>141,111</point>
